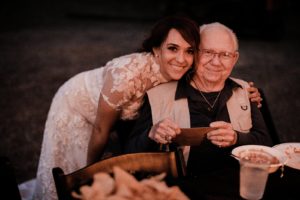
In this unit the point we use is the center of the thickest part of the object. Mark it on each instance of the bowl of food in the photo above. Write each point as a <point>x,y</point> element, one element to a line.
<point>292,151</point>
<point>260,154</point>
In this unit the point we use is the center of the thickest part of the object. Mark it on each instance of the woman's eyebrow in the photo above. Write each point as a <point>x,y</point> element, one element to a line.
<point>173,44</point>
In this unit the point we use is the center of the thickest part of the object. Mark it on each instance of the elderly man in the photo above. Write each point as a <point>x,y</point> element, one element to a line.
<point>207,98</point>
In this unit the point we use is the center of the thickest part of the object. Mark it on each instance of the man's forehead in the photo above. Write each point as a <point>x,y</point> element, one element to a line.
<point>215,32</point>
<point>217,36</point>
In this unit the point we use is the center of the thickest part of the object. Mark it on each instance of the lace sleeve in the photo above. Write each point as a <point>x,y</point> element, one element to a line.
<point>122,82</point>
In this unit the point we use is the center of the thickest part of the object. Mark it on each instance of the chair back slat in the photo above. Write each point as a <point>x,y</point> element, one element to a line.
<point>154,163</point>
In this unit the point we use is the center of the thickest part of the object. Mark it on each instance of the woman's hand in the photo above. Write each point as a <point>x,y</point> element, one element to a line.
<point>164,131</point>
<point>254,94</point>
<point>224,135</point>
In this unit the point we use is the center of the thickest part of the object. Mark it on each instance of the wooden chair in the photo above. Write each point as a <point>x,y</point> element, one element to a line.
<point>170,162</point>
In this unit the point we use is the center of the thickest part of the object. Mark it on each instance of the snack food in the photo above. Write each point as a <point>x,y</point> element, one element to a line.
<point>292,151</point>
<point>125,187</point>
<point>261,153</point>
<point>258,156</point>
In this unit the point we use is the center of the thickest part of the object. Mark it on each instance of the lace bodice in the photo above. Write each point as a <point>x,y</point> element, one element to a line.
<point>122,82</point>
<point>126,80</point>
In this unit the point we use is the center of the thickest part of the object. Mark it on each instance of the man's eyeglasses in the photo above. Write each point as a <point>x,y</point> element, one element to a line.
<point>223,55</point>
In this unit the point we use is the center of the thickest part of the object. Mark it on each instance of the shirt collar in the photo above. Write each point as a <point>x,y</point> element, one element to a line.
<point>184,86</point>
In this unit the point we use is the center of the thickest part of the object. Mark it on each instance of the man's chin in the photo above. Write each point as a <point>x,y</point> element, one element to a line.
<point>213,79</point>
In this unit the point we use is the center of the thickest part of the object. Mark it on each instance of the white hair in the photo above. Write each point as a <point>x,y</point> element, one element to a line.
<point>205,27</point>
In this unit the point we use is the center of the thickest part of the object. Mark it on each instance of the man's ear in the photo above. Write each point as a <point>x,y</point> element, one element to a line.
<point>236,57</point>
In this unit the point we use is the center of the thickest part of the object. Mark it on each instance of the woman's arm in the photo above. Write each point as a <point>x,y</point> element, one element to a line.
<point>138,140</point>
<point>105,120</point>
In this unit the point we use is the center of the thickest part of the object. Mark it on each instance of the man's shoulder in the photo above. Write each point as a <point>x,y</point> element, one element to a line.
<point>164,87</point>
<point>240,82</point>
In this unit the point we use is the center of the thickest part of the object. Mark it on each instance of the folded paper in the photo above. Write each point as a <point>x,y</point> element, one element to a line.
<point>192,136</point>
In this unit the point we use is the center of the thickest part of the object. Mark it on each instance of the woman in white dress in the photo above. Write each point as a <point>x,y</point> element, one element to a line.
<point>111,92</point>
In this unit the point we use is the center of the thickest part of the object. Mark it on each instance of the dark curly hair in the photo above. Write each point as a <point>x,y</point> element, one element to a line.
<point>188,29</point>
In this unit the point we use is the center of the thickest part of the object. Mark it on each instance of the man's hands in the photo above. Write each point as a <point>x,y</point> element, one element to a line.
<point>164,131</point>
<point>254,94</point>
<point>224,135</point>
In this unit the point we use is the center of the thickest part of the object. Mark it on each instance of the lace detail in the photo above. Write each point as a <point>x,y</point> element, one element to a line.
<point>67,132</point>
<point>127,78</point>
<point>122,82</point>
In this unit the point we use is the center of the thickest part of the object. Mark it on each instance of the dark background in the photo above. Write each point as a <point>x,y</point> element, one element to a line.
<point>44,43</point>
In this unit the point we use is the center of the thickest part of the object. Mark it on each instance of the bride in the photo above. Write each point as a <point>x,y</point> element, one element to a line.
<point>110,92</point>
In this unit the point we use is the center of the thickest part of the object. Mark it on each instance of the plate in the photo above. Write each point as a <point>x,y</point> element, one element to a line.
<point>292,152</point>
<point>239,151</point>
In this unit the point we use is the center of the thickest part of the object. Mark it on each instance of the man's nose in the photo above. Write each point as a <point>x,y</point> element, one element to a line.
<point>216,59</point>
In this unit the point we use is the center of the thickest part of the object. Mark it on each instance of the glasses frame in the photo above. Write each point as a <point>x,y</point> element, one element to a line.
<point>223,55</point>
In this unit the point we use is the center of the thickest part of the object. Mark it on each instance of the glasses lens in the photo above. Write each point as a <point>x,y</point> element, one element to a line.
<point>221,55</point>
<point>225,55</point>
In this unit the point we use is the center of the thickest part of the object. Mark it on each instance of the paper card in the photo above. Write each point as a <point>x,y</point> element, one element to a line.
<point>192,136</point>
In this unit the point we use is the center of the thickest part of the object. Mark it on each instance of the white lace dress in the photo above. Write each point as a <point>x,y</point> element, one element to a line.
<point>122,82</point>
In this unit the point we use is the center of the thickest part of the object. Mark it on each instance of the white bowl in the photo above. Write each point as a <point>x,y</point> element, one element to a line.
<point>292,151</point>
<point>240,151</point>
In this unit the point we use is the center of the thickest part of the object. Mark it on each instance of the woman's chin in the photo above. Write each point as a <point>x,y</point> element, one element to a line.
<point>175,76</point>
